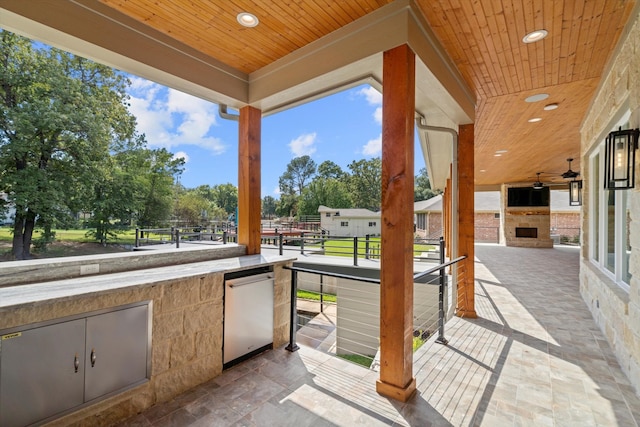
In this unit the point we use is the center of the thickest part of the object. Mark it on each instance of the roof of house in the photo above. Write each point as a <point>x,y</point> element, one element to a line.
<point>351,213</point>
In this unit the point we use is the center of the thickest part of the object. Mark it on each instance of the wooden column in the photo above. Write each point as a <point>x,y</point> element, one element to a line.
<point>466,296</point>
<point>396,272</point>
<point>249,200</point>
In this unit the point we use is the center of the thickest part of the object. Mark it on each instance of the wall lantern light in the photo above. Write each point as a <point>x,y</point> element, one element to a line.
<point>620,159</point>
<point>575,193</point>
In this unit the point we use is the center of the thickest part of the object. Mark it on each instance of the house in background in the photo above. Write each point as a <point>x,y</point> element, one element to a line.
<point>564,219</point>
<point>349,222</point>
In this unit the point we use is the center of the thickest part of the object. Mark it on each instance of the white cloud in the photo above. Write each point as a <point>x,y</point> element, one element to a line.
<point>168,117</point>
<point>373,147</point>
<point>183,155</point>
<point>373,98</point>
<point>303,145</point>
<point>277,191</point>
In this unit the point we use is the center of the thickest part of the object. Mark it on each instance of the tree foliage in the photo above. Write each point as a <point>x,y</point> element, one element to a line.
<point>61,117</point>
<point>300,171</point>
<point>268,207</point>
<point>365,183</point>
<point>326,192</point>
<point>422,186</point>
<point>68,144</point>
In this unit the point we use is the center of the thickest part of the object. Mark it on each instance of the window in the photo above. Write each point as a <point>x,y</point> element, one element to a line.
<point>372,223</point>
<point>328,214</point>
<point>496,215</point>
<point>344,223</point>
<point>609,213</point>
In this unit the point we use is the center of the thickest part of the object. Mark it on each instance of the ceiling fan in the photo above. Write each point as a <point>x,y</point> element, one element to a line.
<point>538,185</point>
<point>570,174</point>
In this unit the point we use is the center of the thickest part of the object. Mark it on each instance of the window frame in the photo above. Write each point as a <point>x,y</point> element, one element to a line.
<point>600,227</point>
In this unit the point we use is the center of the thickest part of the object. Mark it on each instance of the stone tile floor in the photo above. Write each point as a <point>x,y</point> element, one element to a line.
<point>534,357</point>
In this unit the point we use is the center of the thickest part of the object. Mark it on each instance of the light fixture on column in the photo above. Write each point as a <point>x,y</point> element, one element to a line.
<point>575,193</point>
<point>620,159</point>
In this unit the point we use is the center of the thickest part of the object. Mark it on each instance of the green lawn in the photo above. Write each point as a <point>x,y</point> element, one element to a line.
<point>315,296</point>
<point>344,247</point>
<point>79,236</point>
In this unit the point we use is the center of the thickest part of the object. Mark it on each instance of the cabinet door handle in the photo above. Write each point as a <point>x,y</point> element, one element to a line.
<point>76,363</point>
<point>93,357</point>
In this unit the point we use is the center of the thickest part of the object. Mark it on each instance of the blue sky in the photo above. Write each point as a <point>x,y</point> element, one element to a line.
<point>342,128</point>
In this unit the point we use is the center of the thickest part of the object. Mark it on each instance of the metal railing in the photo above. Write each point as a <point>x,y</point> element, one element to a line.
<point>367,247</point>
<point>348,318</point>
<point>174,235</point>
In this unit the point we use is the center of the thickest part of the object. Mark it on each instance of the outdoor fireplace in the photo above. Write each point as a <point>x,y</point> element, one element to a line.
<point>529,232</point>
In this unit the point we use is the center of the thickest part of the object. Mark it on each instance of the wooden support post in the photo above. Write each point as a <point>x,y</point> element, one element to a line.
<point>249,200</point>
<point>466,289</point>
<point>396,272</point>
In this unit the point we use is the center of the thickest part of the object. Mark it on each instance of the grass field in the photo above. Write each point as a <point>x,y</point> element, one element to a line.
<point>344,247</point>
<point>77,236</point>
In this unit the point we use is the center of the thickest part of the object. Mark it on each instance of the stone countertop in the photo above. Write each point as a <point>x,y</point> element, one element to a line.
<point>14,297</point>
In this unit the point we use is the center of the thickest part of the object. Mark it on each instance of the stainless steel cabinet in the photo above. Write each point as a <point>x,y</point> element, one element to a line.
<point>116,353</point>
<point>51,368</point>
<point>38,376</point>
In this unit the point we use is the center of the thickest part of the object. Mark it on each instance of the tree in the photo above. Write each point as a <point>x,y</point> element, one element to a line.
<point>61,117</point>
<point>191,208</point>
<point>225,196</point>
<point>422,186</point>
<point>158,171</point>
<point>299,171</point>
<point>365,183</point>
<point>327,192</point>
<point>329,169</point>
<point>268,207</point>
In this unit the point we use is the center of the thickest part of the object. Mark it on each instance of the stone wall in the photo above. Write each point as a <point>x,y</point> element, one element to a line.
<point>187,335</point>
<point>616,311</point>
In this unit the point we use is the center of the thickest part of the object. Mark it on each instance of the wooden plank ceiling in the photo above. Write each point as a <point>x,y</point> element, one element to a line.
<point>482,37</point>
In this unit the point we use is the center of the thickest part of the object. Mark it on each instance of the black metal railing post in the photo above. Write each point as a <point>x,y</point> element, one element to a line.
<point>137,237</point>
<point>280,240</point>
<point>355,251</point>
<point>224,237</point>
<point>177,238</point>
<point>294,314</point>
<point>302,242</point>
<point>366,247</point>
<point>443,278</point>
<point>321,294</point>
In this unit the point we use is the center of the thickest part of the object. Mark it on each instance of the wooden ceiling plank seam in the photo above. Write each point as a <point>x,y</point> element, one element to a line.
<point>598,54</point>
<point>509,40</point>
<point>556,40</point>
<point>165,21</point>
<point>522,30</point>
<point>538,46</point>
<point>589,20</point>
<point>268,33</point>
<point>501,35</point>
<point>574,39</point>
<point>563,63</point>
<point>321,16</point>
<point>449,34</point>
<point>490,51</point>
<point>514,37</point>
<point>305,28</point>
<point>481,38</point>
<point>297,36</point>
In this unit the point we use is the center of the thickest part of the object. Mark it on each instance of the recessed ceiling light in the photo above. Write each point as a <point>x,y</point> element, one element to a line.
<point>537,97</point>
<point>497,155</point>
<point>483,170</point>
<point>247,19</point>
<point>501,151</point>
<point>535,119</point>
<point>535,36</point>
<point>550,107</point>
